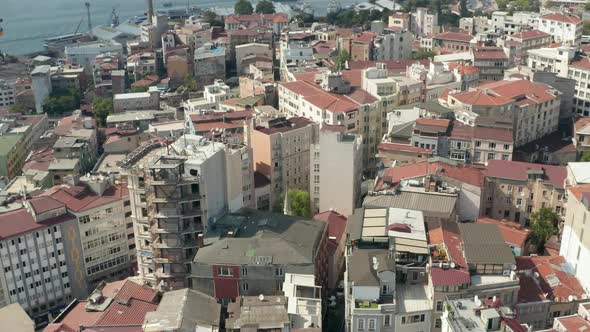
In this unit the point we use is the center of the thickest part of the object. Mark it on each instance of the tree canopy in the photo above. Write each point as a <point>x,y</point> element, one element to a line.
<point>243,7</point>
<point>464,12</point>
<point>102,107</point>
<point>265,7</point>
<point>62,101</point>
<point>543,226</point>
<point>341,59</point>
<point>212,18</point>
<point>300,203</point>
<point>585,156</point>
<point>422,54</point>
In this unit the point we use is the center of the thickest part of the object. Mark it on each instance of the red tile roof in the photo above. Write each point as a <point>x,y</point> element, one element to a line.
<point>447,277</point>
<point>76,317</point>
<point>80,198</point>
<point>316,96</point>
<point>463,69</point>
<point>574,323</point>
<point>364,37</point>
<point>581,123</point>
<point>18,222</point>
<point>44,204</point>
<point>395,147</point>
<point>336,223</point>
<point>530,34</point>
<point>454,36</point>
<point>481,98</point>
<point>516,170</point>
<point>39,160</point>
<point>435,236</point>
<point>462,131</point>
<point>487,55</point>
<point>361,96</point>
<point>562,18</point>
<point>581,63</point>
<point>442,123</point>
<point>131,313</point>
<point>453,242</point>
<point>553,283</point>
<point>463,173</point>
<point>535,92</point>
<point>579,190</point>
<point>513,233</point>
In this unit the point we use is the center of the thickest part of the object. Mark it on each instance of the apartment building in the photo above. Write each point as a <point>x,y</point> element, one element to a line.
<point>579,70</point>
<point>400,21</point>
<point>424,22</point>
<point>277,21</point>
<point>385,272</point>
<point>103,212</point>
<point>335,174</point>
<point>475,25</point>
<point>281,151</point>
<point>176,191</point>
<point>469,260</point>
<point>529,40</point>
<point>41,266</point>
<point>563,28</point>
<point>532,108</point>
<point>514,190</point>
<point>393,44</point>
<point>491,62</point>
<point>209,64</point>
<point>551,59</point>
<point>503,23</point>
<point>12,155</point>
<point>478,144</point>
<point>473,314</point>
<point>277,245</point>
<point>41,85</point>
<point>581,137</point>
<point>574,247</point>
<point>361,46</point>
<point>85,54</point>
<point>452,41</point>
<point>546,291</point>
<point>137,101</point>
<point>140,65</point>
<point>7,94</point>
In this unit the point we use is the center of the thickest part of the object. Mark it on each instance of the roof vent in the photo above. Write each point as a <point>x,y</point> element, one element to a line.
<point>375,263</point>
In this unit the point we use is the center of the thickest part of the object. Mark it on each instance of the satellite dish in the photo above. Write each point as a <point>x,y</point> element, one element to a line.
<point>536,274</point>
<point>453,265</point>
<point>261,297</point>
<point>570,298</point>
<point>513,267</point>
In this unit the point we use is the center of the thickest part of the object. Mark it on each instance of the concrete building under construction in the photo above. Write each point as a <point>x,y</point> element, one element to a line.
<point>177,190</point>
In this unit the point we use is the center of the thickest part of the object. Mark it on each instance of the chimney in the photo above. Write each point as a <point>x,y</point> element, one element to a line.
<point>201,238</point>
<point>150,12</point>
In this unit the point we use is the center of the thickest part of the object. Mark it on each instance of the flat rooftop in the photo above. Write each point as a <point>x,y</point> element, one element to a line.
<point>412,298</point>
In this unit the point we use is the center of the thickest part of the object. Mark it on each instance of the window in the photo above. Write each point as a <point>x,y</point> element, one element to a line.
<point>225,271</point>
<point>245,287</point>
<point>438,323</point>
<point>506,147</point>
<point>279,272</point>
<point>372,325</point>
<point>244,271</point>
<point>492,145</point>
<point>491,156</point>
<point>439,305</point>
<point>361,324</point>
<point>387,320</point>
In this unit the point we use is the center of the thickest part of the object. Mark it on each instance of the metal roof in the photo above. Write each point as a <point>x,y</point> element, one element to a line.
<point>483,243</point>
<point>431,204</point>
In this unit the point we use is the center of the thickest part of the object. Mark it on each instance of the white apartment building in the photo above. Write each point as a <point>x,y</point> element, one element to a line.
<point>565,29</point>
<point>137,101</point>
<point>579,71</point>
<point>551,59</point>
<point>42,87</point>
<point>424,22</point>
<point>575,245</point>
<point>7,94</point>
<point>335,175</point>
<point>475,25</point>
<point>103,213</point>
<point>176,190</point>
<point>503,23</point>
<point>216,93</point>
<point>304,300</point>
<point>40,263</point>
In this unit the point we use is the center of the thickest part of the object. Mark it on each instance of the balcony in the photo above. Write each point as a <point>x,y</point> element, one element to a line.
<point>176,229</point>
<point>160,273</point>
<point>173,180</point>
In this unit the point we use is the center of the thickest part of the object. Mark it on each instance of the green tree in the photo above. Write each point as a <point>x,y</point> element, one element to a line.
<point>543,226</point>
<point>212,18</point>
<point>341,59</point>
<point>62,101</point>
<point>300,203</point>
<point>586,7</point>
<point>17,108</point>
<point>423,54</point>
<point>585,156</point>
<point>265,7</point>
<point>139,88</point>
<point>102,107</point>
<point>243,7</point>
<point>189,83</point>
<point>587,28</point>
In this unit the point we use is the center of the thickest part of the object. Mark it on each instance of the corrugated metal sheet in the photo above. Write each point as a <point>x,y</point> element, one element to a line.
<point>431,205</point>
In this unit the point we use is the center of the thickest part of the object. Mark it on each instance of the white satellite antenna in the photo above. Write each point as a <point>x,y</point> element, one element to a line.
<point>453,265</point>
<point>261,297</point>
